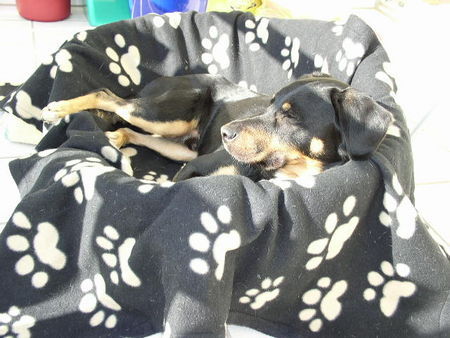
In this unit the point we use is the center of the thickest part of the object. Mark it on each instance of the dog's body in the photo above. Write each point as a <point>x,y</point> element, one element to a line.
<point>222,128</point>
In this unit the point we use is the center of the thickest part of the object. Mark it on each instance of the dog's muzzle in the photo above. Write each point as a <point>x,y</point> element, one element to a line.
<point>228,133</point>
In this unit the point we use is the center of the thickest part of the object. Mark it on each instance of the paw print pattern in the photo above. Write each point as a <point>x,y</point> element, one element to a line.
<point>216,51</point>
<point>349,56</point>
<point>173,18</point>
<point>321,64</point>
<point>37,254</point>
<point>25,107</point>
<point>96,302</point>
<point>13,324</point>
<point>324,302</point>
<point>116,256</point>
<point>151,179</point>
<point>245,85</point>
<point>257,298</point>
<point>62,61</point>
<point>81,36</point>
<point>218,245</point>
<point>305,181</point>
<point>126,65</point>
<point>257,33</point>
<point>386,76</point>
<point>82,175</point>
<point>338,27</point>
<point>152,176</point>
<point>291,54</point>
<point>329,247</point>
<point>392,289</point>
<point>399,208</point>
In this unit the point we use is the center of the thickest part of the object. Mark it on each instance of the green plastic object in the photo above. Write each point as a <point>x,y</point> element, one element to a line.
<point>101,12</point>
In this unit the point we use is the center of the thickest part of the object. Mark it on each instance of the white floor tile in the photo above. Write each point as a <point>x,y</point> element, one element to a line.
<point>432,204</point>
<point>50,36</point>
<point>431,147</point>
<point>17,58</point>
<point>9,12</point>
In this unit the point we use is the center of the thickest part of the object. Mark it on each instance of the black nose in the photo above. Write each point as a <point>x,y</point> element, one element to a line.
<point>228,134</point>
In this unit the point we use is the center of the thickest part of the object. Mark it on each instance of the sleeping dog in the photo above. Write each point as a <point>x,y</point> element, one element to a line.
<point>221,128</point>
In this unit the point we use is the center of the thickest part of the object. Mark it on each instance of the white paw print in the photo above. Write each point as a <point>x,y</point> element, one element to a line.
<point>324,300</point>
<point>338,27</point>
<point>221,243</point>
<point>291,54</point>
<point>257,33</point>
<point>151,180</point>
<point>38,253</point>
<point>152,176</point>
<point>329,247</point>
<point>25,107</point>
<point>81,36</point>
<point>393,289</point>
<point>12,324</point>
<point>116,256</point>
<point>257,298</point>
<point>386,76</point>
<point>61,62</point>
<point>399,209</point>
<point>216,54</point>
<point>82,175</point>
<point>245,85</point>
<point>96,302</point>
<point>349,56</point>
<point>321,63</point>
<point>174,20</point>
<point>126,65</point>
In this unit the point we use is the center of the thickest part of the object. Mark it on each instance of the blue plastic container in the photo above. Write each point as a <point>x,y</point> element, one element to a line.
<point>142,7</point>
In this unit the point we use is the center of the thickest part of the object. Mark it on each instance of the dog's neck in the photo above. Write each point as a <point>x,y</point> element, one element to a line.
<point>303,166</point>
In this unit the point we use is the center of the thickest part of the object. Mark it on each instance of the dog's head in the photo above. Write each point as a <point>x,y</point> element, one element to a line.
<point>308,125</point>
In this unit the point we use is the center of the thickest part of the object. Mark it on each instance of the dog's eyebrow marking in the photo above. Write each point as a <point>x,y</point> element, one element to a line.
<point>316,147</point>
<point>286,106</point>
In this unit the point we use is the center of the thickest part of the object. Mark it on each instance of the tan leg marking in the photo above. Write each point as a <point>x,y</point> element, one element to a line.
<point>167,148</point>
<point>227,170</point>
<point>99,100</point>
<point>169,129</point>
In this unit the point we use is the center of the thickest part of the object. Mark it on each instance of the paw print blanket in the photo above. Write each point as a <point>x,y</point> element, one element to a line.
<point>103,244</point>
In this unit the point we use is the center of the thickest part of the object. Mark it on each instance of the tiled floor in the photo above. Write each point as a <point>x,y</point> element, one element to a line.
<point>415,39</point>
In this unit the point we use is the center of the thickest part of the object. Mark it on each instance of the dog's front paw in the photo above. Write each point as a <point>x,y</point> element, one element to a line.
<point>117,138</point>
<point>54,111</point>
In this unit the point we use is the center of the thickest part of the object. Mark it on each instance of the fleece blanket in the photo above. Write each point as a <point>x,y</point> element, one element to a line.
<point>103,244</point>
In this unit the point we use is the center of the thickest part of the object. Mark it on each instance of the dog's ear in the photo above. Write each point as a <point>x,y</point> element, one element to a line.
<point>362,122</point>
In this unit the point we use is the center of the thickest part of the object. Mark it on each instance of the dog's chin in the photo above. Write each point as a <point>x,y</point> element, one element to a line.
<point>272,161</point>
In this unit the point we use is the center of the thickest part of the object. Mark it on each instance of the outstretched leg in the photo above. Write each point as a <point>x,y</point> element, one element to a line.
<point>102,99</point>
<point>168,148</point>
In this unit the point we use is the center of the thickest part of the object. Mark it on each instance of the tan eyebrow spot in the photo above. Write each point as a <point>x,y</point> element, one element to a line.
<point>316,146</point>
<point>286,106</point>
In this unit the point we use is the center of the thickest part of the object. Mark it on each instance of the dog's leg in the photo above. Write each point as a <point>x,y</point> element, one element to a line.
<point>157,121</point>
<point>102,99</point>
<point>170,149</point>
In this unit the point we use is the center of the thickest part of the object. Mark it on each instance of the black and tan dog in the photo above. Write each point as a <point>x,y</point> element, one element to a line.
<point>221,128</point>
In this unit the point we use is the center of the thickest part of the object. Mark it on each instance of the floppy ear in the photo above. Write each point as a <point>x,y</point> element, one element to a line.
<point>363,123</point>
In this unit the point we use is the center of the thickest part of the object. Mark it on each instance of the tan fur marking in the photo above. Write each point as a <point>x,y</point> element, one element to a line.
<point>286,106</point>
<point>167,148</point>
<point>300,167</point>
<point>227,170</point>
<point>97,100</point>
<point>169,129</point>
<point>317,146</point>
